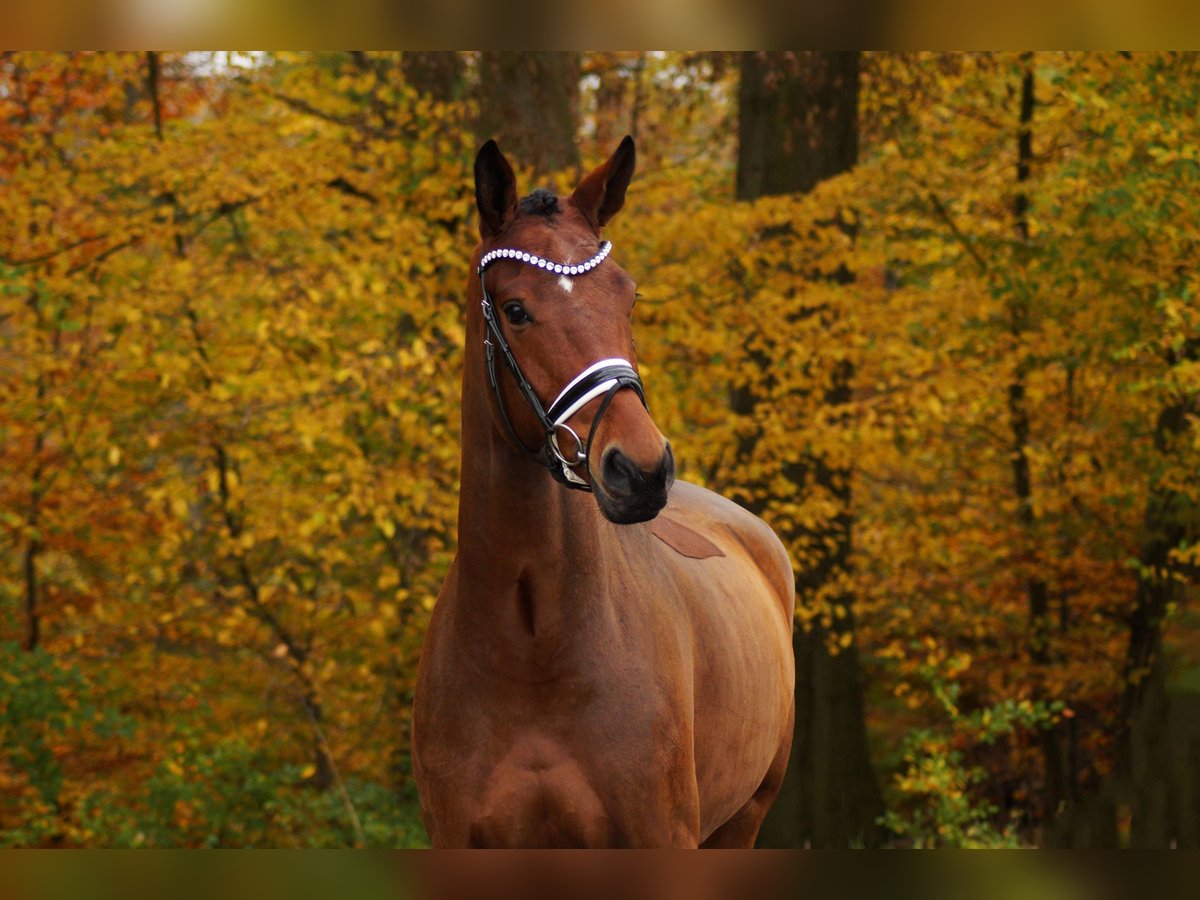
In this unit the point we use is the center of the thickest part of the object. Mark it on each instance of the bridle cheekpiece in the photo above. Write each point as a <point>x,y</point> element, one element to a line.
<point>601,379</point>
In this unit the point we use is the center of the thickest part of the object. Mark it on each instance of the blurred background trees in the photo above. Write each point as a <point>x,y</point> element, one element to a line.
<point>932,315</point>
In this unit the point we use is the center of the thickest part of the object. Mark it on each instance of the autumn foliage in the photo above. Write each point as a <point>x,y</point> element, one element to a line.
<point>231,330</point>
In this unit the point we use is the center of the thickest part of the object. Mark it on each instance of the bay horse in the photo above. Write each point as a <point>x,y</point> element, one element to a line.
<point>612,670</point>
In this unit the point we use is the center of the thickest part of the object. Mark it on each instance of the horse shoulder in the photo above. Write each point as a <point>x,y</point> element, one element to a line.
<point>739,533</point>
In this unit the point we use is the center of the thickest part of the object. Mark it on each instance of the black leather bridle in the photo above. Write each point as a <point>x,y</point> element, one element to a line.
<point>601,379</point>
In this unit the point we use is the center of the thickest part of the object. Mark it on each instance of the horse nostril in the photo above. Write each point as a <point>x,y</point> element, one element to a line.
<point>621,476</point>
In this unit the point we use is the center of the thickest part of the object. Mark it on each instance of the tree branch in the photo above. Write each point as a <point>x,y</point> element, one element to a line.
<point>152,72</point>
<point>341,184</point>
<point>944,215</point>
<point>305,107</point>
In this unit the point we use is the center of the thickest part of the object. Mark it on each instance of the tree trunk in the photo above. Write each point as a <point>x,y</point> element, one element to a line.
<point>798,124</point>
<point>1057,792</point>
<point>1152,799</point>
<point>797,119</point>
<point>437,73</point>
<point>37,490</point>
<point>1169,522</point>
<point>529,102</point>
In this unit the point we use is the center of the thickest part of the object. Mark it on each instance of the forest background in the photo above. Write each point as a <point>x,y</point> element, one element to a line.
<point>934,316</point>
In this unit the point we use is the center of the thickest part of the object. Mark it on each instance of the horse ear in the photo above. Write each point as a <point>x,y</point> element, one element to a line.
<point>601,195</point>
<point>495,190</point>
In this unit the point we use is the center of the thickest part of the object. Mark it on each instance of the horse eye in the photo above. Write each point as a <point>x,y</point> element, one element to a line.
<point>516,313</point>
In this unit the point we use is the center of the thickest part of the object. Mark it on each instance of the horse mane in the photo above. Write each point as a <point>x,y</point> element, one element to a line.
<point>542,202</point>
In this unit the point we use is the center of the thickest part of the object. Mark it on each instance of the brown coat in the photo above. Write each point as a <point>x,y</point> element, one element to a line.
<point>583,682</point>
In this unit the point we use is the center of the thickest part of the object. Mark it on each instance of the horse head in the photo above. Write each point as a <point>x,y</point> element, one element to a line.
<point>558,336</point>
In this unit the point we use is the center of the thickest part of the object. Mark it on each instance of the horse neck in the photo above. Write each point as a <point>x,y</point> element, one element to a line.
<point>522,536</point>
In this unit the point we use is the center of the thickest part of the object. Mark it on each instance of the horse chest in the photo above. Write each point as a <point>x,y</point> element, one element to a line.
<point>531,737</point>
<point>597,688</point>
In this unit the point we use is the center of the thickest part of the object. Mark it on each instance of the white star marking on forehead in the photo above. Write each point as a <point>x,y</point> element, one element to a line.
<point>566,284</point>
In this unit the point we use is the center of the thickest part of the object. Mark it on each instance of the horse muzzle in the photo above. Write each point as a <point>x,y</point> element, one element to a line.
<point>629,493</point>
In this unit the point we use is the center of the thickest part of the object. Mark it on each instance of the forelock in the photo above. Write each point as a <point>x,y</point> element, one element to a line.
<point>542,202</point>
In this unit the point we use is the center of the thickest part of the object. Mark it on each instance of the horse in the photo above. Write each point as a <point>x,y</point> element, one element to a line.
<point>609,661</point>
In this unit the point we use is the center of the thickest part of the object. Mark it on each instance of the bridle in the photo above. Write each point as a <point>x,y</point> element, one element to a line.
<point>601,379</point>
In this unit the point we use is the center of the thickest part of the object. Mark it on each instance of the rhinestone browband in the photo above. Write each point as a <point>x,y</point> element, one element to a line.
<point>548,265</point>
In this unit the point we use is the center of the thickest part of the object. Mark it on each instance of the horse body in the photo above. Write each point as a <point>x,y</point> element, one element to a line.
<point>582,707</point>
<point>583,682</point>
